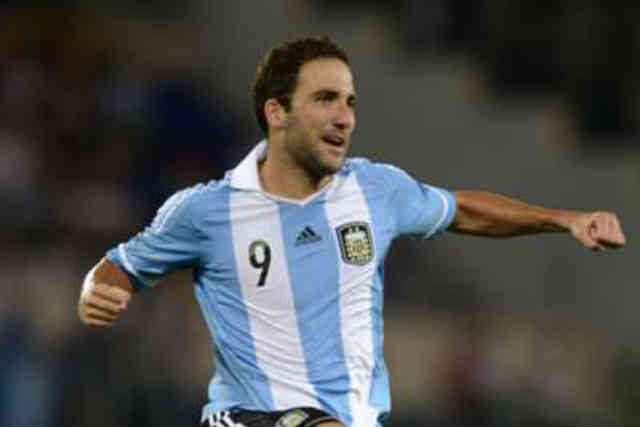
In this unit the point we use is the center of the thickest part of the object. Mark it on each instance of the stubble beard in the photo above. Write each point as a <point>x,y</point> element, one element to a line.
<point>308,157</point>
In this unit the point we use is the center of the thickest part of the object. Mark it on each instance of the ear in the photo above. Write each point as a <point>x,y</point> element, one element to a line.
<point>274,113</point>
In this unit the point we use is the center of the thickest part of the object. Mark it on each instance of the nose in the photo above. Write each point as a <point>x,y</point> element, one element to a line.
<point>344,118</point>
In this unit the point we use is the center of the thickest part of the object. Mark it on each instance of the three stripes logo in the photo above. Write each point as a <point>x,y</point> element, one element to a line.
<point>306,236</point>
<point>222,419</point>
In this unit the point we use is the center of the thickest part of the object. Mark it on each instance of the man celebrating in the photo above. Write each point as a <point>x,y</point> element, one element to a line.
<point>288,252</point>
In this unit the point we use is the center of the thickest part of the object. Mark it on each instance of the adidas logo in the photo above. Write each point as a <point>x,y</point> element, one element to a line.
<point>307,236</point>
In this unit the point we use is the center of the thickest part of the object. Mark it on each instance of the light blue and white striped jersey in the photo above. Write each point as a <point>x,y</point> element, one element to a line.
<point>291,290</point>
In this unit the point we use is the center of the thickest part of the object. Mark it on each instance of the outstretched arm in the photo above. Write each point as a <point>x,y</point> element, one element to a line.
<point>487,214</point>
<point>106,292</point>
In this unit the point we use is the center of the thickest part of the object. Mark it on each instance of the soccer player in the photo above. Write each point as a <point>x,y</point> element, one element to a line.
<point>288,251</point>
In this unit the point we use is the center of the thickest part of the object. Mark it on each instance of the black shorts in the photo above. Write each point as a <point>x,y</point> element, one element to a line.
<point>295,417</point>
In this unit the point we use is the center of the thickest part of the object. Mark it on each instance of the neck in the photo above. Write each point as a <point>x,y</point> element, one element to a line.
<point>280,175</point>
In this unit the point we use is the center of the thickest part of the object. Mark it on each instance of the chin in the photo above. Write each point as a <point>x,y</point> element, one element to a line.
<point>324,169</point>
<point>333,165</point>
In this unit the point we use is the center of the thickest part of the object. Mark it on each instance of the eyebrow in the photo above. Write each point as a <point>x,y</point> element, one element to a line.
<point>351,98</point>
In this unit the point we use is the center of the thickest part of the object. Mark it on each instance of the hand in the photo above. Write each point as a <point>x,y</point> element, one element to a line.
<point>101,304</point>
<point>598,230</point>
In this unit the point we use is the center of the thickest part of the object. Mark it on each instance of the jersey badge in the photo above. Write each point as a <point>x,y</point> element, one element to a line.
<point>293,418</point>
<point>355,243</point>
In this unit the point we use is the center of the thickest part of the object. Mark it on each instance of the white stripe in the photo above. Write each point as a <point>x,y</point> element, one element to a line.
<point>445,212</point>
<point>356,282</point>
<point>270,308</point>
<point>125,260</point>
<point>222,419</point>
<point>129,266</point>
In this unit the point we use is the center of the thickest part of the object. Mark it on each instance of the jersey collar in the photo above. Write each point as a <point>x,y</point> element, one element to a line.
<point>245,175</point>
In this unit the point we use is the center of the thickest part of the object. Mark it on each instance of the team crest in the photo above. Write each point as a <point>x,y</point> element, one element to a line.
<point>355,243</point>
<point>293,418</point>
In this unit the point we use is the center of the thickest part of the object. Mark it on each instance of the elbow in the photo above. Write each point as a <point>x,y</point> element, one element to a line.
<point>465,220</point>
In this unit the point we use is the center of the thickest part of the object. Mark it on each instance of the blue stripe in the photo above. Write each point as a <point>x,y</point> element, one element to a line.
<point>382,229</point>
<point>238,380</point>
<point>379,392</point>
<point>314,276</point>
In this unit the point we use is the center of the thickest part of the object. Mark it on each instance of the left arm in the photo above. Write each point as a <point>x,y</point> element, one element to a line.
<point>487,214</point>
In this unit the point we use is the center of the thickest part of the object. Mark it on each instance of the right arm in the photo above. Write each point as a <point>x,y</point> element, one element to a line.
<point>169,243</point>
<point>106,292</point>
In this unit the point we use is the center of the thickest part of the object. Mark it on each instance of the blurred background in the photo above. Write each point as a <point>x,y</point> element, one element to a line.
<point>108,107</point>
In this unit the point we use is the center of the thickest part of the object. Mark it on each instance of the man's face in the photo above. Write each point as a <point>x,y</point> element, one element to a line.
<point>319,124</point>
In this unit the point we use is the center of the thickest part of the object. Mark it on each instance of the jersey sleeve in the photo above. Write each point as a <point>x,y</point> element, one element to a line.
<point>421,210</point>
<point>171,242</point>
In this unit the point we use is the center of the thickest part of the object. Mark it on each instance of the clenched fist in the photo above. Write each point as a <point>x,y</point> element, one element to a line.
<point>106,292</point>
<point>598,230</point>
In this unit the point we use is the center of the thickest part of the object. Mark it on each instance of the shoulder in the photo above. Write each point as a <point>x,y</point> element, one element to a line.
<point>188,202</point>
<point>372,172</point>
<point>193,195</point>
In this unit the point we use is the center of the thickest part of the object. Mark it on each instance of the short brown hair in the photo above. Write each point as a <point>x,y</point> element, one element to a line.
<point>277,73</point>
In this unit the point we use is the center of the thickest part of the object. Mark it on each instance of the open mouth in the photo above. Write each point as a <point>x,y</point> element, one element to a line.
<point>334,140</point>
